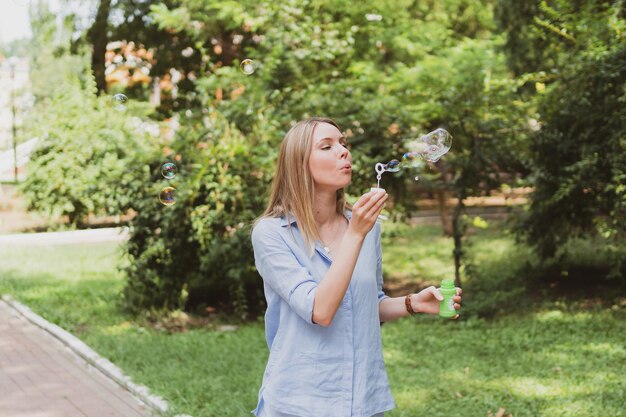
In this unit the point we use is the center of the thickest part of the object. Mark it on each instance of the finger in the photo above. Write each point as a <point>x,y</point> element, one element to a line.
<point>435,291</point>
<point>456,317</point>
<point>368,200</point>
<point>377,207</point>
<point>456,298</point>
<point>363,199</point>
<point>457,306</point>
<point>459,291</point>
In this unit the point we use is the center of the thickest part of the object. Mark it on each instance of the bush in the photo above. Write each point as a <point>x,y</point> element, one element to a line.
<point>86,146</point>
<point>197,252</point>
<point>516,278</point>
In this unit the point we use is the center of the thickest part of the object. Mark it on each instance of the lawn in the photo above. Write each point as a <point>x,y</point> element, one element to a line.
<point>553,359</point>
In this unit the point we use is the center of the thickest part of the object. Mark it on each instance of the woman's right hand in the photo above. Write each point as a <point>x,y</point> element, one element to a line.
<point>366,210</point>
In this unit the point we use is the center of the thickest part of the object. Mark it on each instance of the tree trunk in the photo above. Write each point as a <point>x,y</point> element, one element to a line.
<point>442,200</point>
<point>457,234</point>
<point>98,36</point>
<point>446,224</point>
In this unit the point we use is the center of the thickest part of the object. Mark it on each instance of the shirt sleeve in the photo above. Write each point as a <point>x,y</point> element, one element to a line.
<point>379,263</point>
<point>280,269</point>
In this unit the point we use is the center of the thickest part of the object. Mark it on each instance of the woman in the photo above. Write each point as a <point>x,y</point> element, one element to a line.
<point>321,265</point>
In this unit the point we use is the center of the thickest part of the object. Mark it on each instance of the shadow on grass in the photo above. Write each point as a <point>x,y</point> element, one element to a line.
<point>539,364</point>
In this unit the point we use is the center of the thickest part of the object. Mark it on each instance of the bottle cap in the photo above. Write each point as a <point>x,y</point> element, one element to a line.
<point>447,283</point>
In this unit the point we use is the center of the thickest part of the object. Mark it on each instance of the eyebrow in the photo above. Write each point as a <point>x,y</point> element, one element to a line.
<point>340,139</point>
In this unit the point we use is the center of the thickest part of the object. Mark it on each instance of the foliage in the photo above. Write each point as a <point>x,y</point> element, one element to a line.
<point>384,78</point>
<point>385,73</point>
<point>197,252</point>
<point>85,148</point>
<point>578,156</point>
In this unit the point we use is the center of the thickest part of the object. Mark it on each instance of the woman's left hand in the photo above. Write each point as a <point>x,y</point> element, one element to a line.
<point>427,301</point>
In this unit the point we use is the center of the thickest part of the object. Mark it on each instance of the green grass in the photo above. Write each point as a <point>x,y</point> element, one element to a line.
<point>416,253</point>
<point>421,253</point>
<point>555,360</point>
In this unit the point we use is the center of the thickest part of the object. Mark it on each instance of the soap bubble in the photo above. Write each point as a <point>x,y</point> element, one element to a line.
<point>434,145</point>
<point>247,66</point>
<point>412,159</point>
<point>430,147</point>
<point>168,170</point>
<point>393,166</point>
<point>120,101</point>
<point>167,196</point>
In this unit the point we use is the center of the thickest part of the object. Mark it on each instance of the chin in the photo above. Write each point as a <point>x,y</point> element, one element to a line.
<point>344,185</point>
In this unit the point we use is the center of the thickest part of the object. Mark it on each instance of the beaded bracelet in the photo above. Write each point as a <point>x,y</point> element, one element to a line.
<point>409,307</point>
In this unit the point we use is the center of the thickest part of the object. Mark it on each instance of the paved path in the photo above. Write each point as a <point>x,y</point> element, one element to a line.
<point>41,377</point>
<point>114,234</point>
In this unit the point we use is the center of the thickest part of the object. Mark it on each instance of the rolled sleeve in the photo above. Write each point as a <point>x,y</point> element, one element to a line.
<point>281,271</point>
<point>379,263</point>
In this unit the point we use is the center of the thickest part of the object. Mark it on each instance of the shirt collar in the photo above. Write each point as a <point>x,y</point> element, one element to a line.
<point>291,219</point>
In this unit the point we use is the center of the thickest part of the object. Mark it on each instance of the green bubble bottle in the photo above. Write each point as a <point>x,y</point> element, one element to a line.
<point>446,306</point>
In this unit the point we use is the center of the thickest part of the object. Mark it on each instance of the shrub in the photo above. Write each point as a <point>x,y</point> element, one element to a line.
<point>197,252</point>
<point>516,279</point>
<point>86,146</point>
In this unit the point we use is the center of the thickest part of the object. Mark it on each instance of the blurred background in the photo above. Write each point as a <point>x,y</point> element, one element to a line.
<point>159,122</point>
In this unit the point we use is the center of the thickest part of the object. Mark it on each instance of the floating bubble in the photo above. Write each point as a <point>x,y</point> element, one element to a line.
<point>167,196</point>
<point>120,101</point>
<point>435,145</point>
<point>168,170</point>
<point>248,66</point>
<point>393,166</point>
<point>430,147</point>
<point>412,160</point>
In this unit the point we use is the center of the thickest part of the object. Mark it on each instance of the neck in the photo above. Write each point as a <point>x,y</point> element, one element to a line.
<point>325,208</point>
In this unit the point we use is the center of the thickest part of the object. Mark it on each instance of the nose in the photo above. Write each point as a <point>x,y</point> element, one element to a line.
<point>344,152</point>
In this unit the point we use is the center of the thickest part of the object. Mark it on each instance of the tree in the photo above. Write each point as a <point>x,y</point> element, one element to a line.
<point>385,71</point>
<point>578,158</point>
<point>98,36</point>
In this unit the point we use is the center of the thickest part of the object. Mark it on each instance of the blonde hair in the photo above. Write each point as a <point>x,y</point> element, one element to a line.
<point>293,188</point>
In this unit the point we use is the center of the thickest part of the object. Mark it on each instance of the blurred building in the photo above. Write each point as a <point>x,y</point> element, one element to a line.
<point>15,100</point>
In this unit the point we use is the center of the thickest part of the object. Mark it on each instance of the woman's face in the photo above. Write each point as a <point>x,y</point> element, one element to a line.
<point>330,162</point>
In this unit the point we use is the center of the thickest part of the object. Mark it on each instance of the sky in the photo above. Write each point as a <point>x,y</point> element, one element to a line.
<point>14,21</point>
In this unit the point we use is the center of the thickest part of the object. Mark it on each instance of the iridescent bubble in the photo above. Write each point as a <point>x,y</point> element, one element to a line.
<point>412,160</point>
<point>167,196</point>
<point>168,170</point>
<point>120,101</point>
<point>393,166</point>
<point>437,144</point>
<point>247,66</point>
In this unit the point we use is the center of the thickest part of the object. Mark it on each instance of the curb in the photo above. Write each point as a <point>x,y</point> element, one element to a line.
<point>157,404</point>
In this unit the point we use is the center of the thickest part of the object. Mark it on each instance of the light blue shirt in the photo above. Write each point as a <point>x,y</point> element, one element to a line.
<point>312,370</point>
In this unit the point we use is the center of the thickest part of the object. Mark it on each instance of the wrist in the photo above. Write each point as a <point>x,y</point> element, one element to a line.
<point>411,306</point>
<point>354,236</point>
